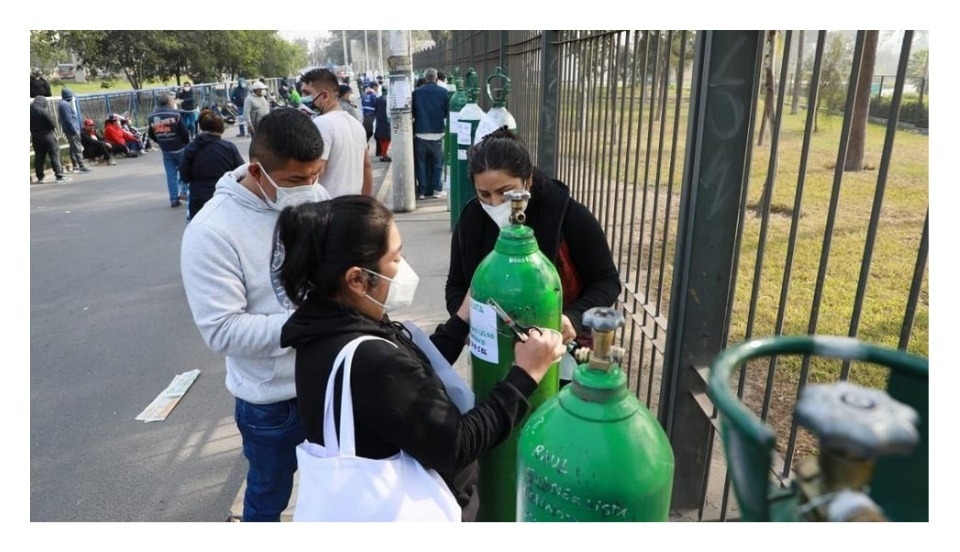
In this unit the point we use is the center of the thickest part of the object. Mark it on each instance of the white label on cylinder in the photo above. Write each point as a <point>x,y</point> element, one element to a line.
<point>483,332</point>
<point>463,134</point>
<point>454,121</point>
<point>462,155</point>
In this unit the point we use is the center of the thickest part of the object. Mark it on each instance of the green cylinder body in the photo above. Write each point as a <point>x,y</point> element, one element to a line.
<point>526,285</point>
<point>594,453</point>
<point>457,101</point>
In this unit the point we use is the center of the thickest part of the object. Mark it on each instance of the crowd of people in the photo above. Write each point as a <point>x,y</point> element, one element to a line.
<point>287,257</point>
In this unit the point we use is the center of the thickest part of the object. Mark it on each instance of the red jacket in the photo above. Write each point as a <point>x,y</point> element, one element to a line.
<point>115,134</point>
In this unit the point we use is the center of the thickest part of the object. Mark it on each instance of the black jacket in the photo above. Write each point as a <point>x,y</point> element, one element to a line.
<point>167,129</point>
<point>554,217</point>
<point>39,87</point>
<point>41,120</point>
<point>206,159</point>
<point>398,400</point>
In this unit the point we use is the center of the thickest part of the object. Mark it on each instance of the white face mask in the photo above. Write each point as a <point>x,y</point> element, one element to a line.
<point>500,214</point>
<point>403,287</point>
<point>289,197</point>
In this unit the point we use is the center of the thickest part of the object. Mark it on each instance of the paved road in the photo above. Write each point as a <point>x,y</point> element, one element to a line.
<point>110,328</point>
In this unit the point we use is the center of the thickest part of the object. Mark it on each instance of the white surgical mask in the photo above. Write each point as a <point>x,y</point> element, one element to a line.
<point>403,287</point>
<point>500,213</point>
<point>288,197</point>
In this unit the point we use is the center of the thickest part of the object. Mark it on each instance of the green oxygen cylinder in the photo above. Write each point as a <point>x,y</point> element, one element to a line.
<point>469,118</point>
<point>497,116</point>
<point>524,284</point>
<point>594,452</point>
<point>457,101</point>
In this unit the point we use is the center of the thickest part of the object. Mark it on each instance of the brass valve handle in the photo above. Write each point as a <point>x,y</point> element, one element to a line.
<point>518,203</point>
<point>861,422</point>
<point>603,323</point>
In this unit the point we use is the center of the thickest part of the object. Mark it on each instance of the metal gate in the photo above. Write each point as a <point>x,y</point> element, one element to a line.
<point>727,207</point>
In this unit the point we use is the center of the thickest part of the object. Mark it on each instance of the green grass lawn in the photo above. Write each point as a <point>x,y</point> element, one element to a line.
<point>606,146</point>
<point>95,86</point>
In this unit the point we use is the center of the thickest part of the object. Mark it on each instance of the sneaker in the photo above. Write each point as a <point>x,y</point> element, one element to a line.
<point>175,203</point>
<point>386,159</point>
<point>62,178</point>
<point>85,169</point>
<point>421,196</point>
<point>111,162</point>
<point>39,181</point>
<point>440,195</point>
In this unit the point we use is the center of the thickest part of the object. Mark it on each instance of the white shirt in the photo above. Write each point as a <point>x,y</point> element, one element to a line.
<point>344,148</point>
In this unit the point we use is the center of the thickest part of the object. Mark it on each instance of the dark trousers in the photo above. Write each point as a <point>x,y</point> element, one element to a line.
<point>368,126</point>
<point>76,150</point>
<point>429,165</point>
<point>97,150</point>
<point>44,146</point>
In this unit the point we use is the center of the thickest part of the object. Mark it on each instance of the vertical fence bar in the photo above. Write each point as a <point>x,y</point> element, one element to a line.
<point>549,102</point>
<point>892,120</point>
<point>725,88</point>
<point>827,234</point>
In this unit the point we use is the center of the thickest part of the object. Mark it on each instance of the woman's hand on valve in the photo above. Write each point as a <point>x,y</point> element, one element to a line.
<point>542,348</point>
<point>567,329</point>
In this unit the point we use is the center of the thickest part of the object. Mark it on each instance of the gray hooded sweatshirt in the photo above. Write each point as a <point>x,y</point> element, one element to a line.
<point>225,265</point>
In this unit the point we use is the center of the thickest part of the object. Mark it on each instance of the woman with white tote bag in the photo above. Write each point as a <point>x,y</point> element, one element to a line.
<point>396,448</point>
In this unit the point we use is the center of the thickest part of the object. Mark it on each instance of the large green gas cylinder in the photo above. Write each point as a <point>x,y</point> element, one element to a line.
<point>457,101</point>
<point>497,116</point>
<point>468,118</point>
<point>594,452</point>
<point>524,284</point>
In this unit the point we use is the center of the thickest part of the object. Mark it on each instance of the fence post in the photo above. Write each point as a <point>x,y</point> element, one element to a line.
<point>549,103</point>
<point>716,165</point>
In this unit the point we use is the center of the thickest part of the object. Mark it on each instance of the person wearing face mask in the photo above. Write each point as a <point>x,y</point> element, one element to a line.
<point>566,231</point>
<point>344,268</point>
<point>188,106</point>
<point>225,260</point>
<point>256,106</point>
<point>346,167</point>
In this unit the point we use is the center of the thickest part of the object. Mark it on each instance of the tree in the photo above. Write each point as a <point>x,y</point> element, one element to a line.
<point>861,103</point>
<point>133,53</point>
<point>797,74</point>
<point>768,78</point>
<point>918,66</point>
<point>833,82</point>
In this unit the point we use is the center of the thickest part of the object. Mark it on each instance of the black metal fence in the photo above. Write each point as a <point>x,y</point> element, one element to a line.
<point>728,211</point>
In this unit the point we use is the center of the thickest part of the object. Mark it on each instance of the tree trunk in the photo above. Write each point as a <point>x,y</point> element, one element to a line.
<point>768,79</point>
<point>797,76</point>
<point>861,104</point>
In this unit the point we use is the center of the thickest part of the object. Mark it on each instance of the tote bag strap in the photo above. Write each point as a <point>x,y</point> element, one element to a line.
<point>346,445</point>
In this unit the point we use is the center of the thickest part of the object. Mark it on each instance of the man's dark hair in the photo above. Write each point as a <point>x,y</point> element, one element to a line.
<point>285,134</point>
<point>322,78</point>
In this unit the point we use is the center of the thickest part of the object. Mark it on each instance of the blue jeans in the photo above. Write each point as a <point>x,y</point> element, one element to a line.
<point>241,121</point>
<point>429,158</point>
<point>190,120</point>
<point>171,165</point>
<point>270,434</point>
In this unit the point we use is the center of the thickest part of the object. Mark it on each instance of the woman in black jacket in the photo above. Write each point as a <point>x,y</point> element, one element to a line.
<point>566,231</point>
<point>342,266</point>
<point>205,160</point>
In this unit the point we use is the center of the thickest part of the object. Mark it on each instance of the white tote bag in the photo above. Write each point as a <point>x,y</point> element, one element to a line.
<point>337,485</point>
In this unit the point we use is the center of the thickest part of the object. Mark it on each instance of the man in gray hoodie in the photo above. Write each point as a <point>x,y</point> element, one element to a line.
<point>70,125</point>
<point>225,262</point>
